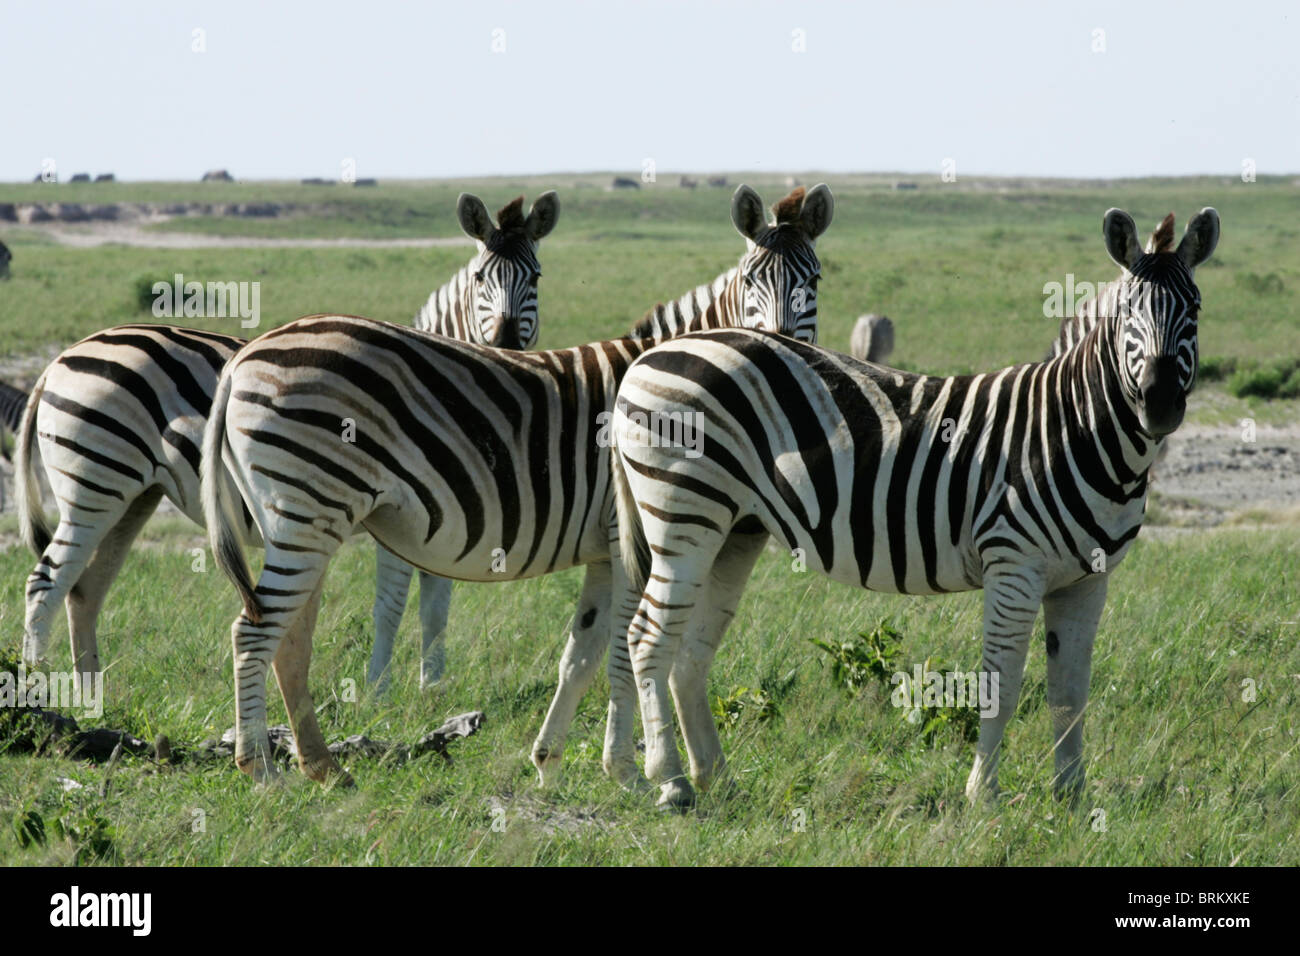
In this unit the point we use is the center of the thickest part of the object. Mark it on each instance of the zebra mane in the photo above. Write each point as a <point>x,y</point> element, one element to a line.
<point>511,217</point>
<point>1162,240</point>
<point>1075,328</point>
<point>672,318</point>
<point>787,210</point>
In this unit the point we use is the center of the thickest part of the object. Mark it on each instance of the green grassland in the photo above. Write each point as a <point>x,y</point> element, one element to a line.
<point>1186,766</point>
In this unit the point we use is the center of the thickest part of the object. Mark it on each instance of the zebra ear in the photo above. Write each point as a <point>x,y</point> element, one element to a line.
<point>474,218</point>
<point>1121,237</point>
<point>747,213</point>
<point>1201,237</point>
<point>543,216</point>
<point>818,208</point>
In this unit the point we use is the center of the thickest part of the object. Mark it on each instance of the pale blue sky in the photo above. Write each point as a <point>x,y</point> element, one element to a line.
<point>415,89</point>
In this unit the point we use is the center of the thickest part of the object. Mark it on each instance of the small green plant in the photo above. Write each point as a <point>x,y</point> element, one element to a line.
<point>89,832</point>
<point>730,710</point>
<point>29,828</point>
<point>84,828</point>
<point>935,719</point>
<point>866,659</point>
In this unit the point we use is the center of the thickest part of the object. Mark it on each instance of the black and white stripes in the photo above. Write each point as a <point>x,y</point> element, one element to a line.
<point>117,423</point>
<point>1029,482</point>
<point>472,463</point>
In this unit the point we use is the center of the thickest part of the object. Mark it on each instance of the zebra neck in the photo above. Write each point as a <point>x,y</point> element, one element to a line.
<point>710,306</point>
<point>449,307</point>
<point>1097,410</point>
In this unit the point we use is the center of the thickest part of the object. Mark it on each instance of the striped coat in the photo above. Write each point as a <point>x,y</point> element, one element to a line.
<point>470,463</point>
<point>117,422</point>
<point>1029,483</point>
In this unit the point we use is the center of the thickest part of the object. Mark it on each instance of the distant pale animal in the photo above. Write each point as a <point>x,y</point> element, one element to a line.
<point>217,176</point>
<point>872,339</point>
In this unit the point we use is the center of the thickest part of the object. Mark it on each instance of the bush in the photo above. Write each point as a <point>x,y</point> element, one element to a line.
<point>1215,369</point>
<point>1280,379</point>
<point>1270,284</point>
<point>144,294</point>
<point>1263,382</point>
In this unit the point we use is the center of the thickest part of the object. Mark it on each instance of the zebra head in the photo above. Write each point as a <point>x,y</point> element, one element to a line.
<point>1154,306</point>
<point>500,296</point>
<point>778,274</point>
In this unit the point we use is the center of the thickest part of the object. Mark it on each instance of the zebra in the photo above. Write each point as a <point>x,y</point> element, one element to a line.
<point>470,463</point>
<point>6,257</point>
<point>12,402</point>
<point>118,420</point>
<point>475,306</point>
<point>1029,482</point>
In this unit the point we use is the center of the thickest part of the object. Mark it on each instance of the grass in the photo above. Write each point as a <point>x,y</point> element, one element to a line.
<point>1182,769</point>
<point>960,269</point>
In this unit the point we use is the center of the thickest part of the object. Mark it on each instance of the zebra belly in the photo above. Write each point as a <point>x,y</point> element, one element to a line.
<point>444,553</point>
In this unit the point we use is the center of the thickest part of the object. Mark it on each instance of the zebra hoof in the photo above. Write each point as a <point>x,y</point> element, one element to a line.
<point>627,775</point>
<point>549,764</point>
<point>676,796</point>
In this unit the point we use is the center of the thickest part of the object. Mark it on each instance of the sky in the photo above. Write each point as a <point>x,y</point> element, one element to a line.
<point>470,88</point>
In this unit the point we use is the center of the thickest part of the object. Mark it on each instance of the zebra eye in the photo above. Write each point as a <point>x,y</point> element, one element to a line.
<point>478,276</point>
<point>533,281</point>
<point>749,279</point>
<point>813,281</point>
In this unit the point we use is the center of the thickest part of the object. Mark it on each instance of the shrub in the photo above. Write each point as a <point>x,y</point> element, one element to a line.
<point>144,294</point>
<point>1270,284</point>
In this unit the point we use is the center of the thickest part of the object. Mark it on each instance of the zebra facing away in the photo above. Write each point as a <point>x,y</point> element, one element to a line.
<point>118,422</point>
<point>1029,482</point>
<point>471,463</point>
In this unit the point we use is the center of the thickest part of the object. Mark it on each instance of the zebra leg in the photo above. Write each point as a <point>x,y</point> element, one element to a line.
<point>582,655</point>
<point>60,567</point>
<point>690,673</point>
<point>1012,596</point>
<point>661,619</point>
<point>435,602</point>
<point>392,582</point>
<point>1071,616</point>
<point>292,662</point>
<point>288,581</point>
<point>619,759</point>
<point>86,598</point>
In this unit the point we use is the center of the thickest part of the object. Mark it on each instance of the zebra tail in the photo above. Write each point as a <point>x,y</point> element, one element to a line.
<point>219,508</point>
<point>33,527</point>
<point>633,547</point>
